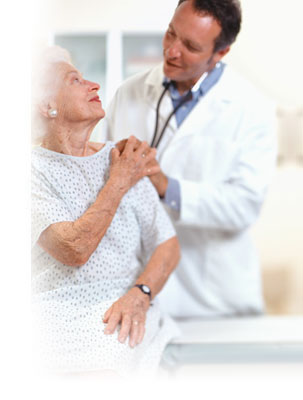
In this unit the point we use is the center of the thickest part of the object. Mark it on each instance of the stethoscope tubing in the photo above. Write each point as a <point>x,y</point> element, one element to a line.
<point>186,98</point>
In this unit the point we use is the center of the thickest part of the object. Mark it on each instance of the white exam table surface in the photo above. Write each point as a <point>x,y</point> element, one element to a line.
<point>237,340</point>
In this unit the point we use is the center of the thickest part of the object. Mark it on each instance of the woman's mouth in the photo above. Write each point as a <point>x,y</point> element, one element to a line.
<point>96,98</point>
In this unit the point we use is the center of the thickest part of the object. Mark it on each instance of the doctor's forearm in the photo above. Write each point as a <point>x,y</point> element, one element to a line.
<point>160,182</point>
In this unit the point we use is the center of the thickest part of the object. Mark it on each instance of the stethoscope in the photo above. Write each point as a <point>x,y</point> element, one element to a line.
<point>184,100</point>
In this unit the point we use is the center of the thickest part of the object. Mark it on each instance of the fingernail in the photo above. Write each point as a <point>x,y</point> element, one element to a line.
<point>122,339</point>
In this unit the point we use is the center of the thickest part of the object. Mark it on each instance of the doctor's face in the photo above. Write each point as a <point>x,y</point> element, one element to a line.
<point>188,46</point>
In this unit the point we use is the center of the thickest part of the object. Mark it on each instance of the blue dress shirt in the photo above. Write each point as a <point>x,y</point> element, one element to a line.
<point>172,196</point>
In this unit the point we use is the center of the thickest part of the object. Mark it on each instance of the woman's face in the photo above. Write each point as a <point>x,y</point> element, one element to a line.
<point>76,99</point>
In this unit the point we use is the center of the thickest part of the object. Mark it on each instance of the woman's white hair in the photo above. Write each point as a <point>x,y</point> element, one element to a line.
<point>43,87</point>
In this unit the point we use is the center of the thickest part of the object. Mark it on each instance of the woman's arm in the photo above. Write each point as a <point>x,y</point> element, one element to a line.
<point>130,310</point>
<point>72,243</point>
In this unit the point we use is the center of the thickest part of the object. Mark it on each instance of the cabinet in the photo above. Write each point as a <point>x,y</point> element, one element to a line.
<point>110,57</point>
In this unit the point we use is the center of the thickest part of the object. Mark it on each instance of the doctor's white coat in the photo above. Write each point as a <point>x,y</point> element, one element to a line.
<point>223,156</point>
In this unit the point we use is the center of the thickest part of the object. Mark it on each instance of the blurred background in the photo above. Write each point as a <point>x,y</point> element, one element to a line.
<point>111,40</point>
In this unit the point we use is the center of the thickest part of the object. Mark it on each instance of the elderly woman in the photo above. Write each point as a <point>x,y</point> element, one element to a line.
<point>103,247</point>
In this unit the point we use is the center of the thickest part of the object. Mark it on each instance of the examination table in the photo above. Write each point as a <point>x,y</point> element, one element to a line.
<point>262,339</point>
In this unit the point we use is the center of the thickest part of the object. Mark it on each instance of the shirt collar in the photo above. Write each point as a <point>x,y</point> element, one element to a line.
<point>202,85</point>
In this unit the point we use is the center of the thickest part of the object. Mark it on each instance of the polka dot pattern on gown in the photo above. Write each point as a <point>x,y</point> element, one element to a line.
<point>70,301</point>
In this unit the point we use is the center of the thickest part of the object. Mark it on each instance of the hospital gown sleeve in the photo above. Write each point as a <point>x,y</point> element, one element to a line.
<point>47,207</point>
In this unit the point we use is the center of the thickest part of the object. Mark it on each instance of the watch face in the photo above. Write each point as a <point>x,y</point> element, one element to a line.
<point>145,289</point>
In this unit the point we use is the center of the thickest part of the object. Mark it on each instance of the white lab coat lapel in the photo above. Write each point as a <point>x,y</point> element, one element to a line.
<point>206,110</point>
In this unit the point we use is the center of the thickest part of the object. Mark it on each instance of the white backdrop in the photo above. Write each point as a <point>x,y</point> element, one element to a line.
<point>266,44</point>
<point>268,50</point>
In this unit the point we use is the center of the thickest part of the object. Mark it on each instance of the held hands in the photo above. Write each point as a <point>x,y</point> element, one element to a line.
<point>130,164</point>
<point>129,311</point>
<point>158,179</point>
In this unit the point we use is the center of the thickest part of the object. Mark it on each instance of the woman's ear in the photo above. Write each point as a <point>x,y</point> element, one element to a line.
<point>42,108</point>
<point>48,110</point>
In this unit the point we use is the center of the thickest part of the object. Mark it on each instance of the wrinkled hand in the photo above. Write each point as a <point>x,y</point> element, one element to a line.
<point>128,167</point>
<point>122,143</point>
<point>158,179</point>
<point>129,311</point>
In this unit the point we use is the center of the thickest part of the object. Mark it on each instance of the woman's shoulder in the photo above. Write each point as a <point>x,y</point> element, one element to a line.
<point>96,146</point>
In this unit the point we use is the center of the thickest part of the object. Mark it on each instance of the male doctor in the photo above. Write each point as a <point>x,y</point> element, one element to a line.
<point>215,142</point>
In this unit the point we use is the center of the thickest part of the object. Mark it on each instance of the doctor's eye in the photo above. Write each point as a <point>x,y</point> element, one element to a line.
<point>192,49</point>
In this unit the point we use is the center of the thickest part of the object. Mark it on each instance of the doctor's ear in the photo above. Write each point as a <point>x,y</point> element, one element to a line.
<point>221,53</point>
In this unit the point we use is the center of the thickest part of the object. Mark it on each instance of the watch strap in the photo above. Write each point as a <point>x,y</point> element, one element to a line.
<point>144,289</point>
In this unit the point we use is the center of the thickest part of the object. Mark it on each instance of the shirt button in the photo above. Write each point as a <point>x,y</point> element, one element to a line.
<point>173,203</point>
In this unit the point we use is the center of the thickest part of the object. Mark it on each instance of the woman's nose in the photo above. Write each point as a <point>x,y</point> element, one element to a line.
<point>93,85</point>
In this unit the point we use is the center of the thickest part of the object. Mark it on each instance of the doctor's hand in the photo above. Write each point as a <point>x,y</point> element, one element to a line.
<point>159,180</point>
<point>129,311</point>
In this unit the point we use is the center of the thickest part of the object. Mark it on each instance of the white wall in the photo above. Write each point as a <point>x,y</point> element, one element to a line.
<point>268,50</point>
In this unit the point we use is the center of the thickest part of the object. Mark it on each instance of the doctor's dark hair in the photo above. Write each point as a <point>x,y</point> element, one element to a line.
<point>227,13</point>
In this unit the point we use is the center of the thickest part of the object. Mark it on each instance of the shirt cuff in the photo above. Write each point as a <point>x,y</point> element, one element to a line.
<point>173,196</point>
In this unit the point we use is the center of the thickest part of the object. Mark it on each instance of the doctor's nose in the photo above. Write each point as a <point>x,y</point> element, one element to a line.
<point>173,50</point>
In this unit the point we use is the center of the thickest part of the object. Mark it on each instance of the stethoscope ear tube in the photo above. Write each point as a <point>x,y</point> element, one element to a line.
<point>186,98</point>
<point>166,86</point>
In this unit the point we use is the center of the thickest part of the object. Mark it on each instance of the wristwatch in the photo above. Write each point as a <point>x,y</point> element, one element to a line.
<point>145,289</point>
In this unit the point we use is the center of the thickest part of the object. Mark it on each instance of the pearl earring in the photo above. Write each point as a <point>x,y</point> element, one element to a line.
<point>52,113</point>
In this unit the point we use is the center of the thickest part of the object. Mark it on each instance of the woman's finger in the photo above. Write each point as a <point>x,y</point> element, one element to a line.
<point>125,328</point>
<point>115,154</point>
<point>121,145</point>
<point>113,322</point>
<point>107,314</point>
<point>134,333</point>
<point>143,150</point>
<point>129,147</point>
<point>152,170</point>
<point>150,155</point>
